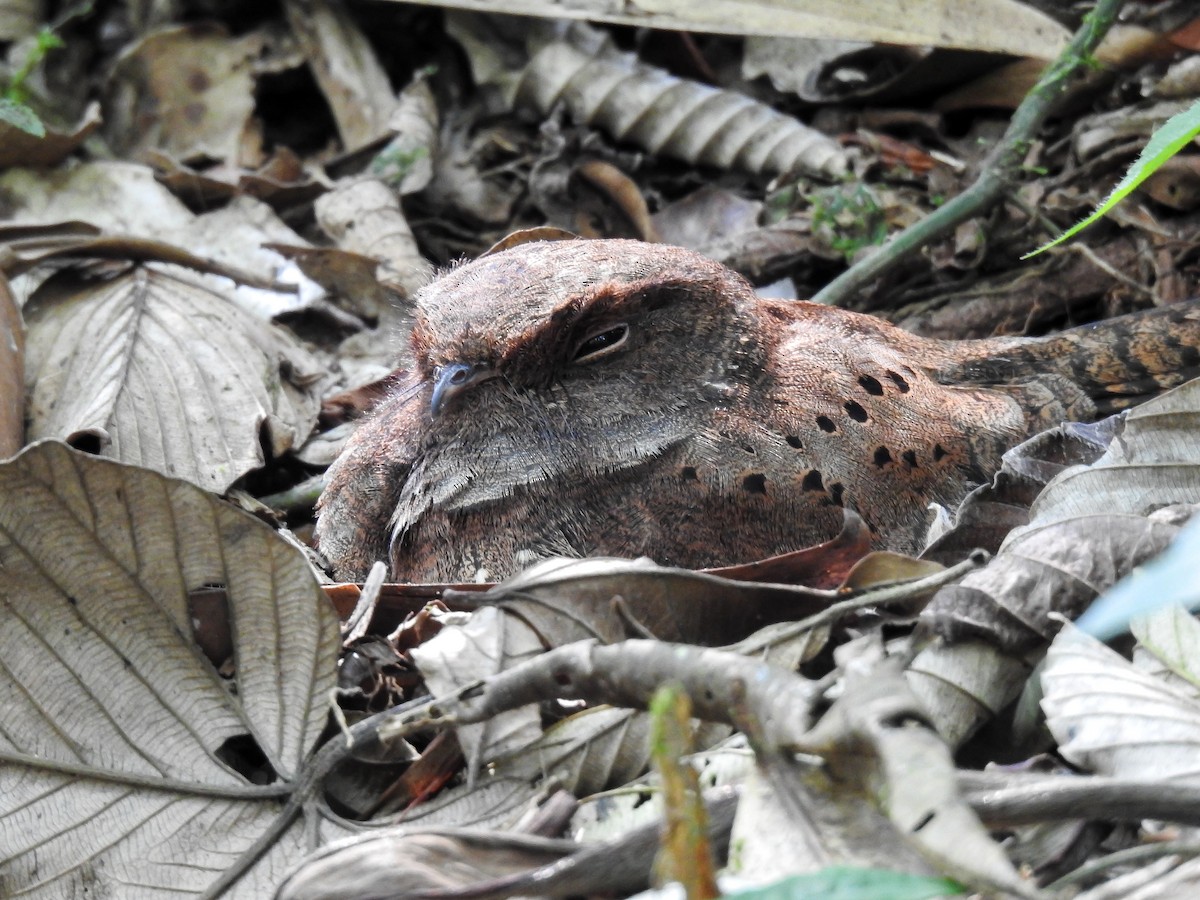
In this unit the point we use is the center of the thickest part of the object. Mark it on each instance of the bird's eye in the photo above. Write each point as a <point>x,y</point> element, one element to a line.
<point>601,344</point>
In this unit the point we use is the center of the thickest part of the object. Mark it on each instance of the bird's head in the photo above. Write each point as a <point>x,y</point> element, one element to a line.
<point>613,328</point>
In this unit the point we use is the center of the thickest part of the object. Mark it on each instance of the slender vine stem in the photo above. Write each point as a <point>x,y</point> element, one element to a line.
<point>1000,170</point>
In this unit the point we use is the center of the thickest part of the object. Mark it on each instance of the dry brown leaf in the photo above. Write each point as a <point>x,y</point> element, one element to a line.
<point>884,567</point>
<point>350,277</point>
<point>18,148</point>
<point>1123,47</point>
<point>567,600</point>
<point>621,195</point>
<point>365,217</point>
<point>160,372</point>
<point>1003,88</point>
<point>187,91</point>
<point>824,566</point>
<point>345,66</point>
<point>281,181</point>
<point>529,236</point>
<point>28,255</point>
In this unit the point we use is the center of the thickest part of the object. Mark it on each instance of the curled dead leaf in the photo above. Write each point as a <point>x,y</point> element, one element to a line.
<point>643,104</point>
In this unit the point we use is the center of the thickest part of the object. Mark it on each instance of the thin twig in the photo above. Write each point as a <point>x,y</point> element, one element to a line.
<point>1003,801</point>
<point>899,592</point>
<point>1143,855</point>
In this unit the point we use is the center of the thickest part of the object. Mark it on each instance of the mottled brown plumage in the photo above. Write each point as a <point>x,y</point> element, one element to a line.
<point>620,398</point>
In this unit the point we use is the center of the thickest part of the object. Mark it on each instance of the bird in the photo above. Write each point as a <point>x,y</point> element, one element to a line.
<point>611,397</point>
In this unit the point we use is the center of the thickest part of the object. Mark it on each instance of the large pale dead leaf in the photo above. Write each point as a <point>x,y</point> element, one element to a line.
<point>998,26</point>
<point>162,373</point>
<point>874,740</point>
<point>1155,463</point>
<point>1089,527</point>
<point>116,197</point>
<point>122,200</point>
<point>1169,646</point>
<point>115,754</point>
<point>1111,718</point>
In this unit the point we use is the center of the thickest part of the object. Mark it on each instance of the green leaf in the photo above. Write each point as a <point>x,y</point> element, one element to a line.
<point>846,883</point>
<point>1175,134</point>
<point>47,39</point>
<point>21,116</point>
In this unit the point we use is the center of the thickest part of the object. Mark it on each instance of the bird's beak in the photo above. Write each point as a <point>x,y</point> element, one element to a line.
<point>454,378</point>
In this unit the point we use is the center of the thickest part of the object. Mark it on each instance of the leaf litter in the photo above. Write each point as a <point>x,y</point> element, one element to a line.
<point>137,763</point>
